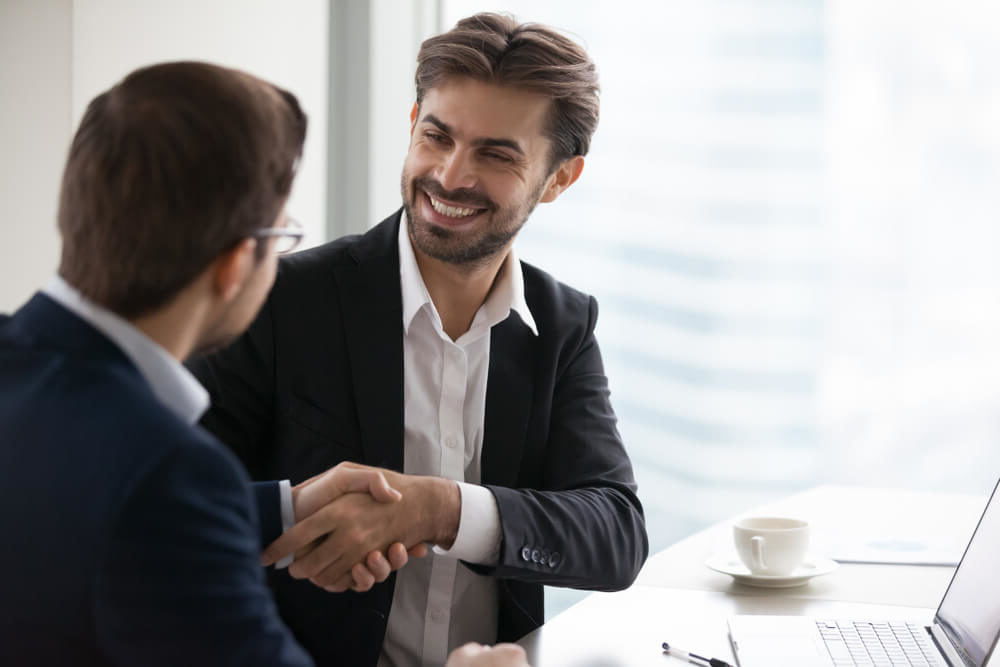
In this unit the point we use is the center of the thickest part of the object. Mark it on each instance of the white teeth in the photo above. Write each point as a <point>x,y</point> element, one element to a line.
<point>451,211</point>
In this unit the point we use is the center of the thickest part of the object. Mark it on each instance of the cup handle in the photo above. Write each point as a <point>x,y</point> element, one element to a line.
<point>757,552</point>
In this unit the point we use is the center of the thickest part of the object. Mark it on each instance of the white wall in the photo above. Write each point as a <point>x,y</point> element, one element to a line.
<point>34,133</point>
<point>283,42</point>
<point>56,55</point>
<point>399,26</point>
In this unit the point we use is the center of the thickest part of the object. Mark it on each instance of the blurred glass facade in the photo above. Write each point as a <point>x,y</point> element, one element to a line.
<point>788,217</point>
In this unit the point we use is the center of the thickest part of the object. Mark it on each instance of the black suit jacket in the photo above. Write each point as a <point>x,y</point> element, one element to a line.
<point>129,537</point>
<point>318,379</point>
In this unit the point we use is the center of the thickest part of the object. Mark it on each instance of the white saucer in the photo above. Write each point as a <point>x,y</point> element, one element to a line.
<point>731,565</point>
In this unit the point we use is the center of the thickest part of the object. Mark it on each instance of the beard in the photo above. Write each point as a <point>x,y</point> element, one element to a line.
<point>204,347</point>
<point>466,247</point>
<point>231,320</point>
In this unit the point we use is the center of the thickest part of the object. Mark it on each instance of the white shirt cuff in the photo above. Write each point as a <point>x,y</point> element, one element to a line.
<point>287,518</point>
<point>478,538</point>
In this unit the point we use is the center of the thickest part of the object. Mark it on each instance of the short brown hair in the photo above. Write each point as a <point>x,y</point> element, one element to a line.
<point>495,48</point>
<point>169,168</point>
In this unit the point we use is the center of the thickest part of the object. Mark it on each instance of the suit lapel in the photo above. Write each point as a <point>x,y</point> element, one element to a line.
<point>509,397</point>
<point>373,324</point>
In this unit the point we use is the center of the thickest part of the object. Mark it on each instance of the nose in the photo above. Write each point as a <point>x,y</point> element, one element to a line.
<point>457,170</point>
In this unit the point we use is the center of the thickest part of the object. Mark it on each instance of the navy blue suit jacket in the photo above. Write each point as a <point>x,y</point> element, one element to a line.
<point>318,379</point>
<point>129,536</point>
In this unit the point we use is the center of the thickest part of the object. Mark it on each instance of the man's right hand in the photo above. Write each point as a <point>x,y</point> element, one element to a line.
<point>349,527</point>
<point>477,655</point>
<point>321,490</point>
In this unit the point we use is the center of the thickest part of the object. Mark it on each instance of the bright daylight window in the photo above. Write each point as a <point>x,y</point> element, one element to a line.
<point>789,218</point>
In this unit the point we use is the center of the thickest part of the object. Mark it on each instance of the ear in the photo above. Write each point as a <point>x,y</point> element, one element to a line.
<point>232,268</point>
<point>564,176</point>
<point>413,117</point>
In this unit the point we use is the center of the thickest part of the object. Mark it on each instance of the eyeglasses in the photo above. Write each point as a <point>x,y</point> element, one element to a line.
<point>287,238</point>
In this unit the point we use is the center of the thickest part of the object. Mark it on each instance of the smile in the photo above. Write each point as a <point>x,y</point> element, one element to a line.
<point>451,211</point>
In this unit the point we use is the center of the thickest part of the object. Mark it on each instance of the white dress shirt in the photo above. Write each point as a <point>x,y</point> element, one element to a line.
<point>172,384</point>
<point>440,604</point>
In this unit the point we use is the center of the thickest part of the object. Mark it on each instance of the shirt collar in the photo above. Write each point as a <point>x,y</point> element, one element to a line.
<point>171,383</point>
<point>507,294</point>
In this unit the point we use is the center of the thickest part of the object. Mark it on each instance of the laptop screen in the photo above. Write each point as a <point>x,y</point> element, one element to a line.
<point>970,610</point>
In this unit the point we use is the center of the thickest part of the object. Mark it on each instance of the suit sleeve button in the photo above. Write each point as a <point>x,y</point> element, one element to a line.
<point>554,559</point>
<point>526,554</point>
<point>536,556</point>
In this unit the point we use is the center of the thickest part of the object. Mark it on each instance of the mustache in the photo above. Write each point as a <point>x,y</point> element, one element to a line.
<point>463,196</point>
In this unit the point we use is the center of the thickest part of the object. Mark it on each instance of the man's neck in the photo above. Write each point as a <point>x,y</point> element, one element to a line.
<point>458,290</point>
<point>176,326</point>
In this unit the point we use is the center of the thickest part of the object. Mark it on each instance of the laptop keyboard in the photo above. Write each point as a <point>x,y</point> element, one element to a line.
<point>878,644</point>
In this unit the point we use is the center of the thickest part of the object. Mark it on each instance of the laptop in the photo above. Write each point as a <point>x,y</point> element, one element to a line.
<point>963,634</point>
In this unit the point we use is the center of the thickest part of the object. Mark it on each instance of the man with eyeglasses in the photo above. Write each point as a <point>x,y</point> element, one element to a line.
<point>130,535</point>
<point>425,347</point>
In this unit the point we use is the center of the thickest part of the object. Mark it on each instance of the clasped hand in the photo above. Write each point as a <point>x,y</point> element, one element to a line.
<point>356,524</point>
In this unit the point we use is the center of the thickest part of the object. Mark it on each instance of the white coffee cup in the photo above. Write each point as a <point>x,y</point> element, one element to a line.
<point>771,546</point>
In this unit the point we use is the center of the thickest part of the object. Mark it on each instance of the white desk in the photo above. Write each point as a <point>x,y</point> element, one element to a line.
<point>626,629</point>
<point>678,599</point>
<point>838,515</point>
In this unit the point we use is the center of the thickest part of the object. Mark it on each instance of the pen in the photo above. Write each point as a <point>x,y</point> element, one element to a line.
<point>694,657</point>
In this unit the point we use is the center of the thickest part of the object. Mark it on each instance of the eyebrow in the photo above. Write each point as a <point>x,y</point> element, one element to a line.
<point>489,142</point>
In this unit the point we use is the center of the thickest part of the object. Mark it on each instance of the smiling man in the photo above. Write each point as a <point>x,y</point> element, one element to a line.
<point>467,192</point>
<point>427,348</point>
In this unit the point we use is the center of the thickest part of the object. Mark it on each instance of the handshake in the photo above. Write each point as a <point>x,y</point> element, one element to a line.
<point>355,525</point>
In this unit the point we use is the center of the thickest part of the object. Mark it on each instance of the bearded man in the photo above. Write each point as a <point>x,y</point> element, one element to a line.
<point>426,348</point>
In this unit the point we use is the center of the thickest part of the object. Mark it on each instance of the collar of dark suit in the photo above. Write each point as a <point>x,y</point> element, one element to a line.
<point>44,319</point>
<point>75,326</point>
<point>379,244</point>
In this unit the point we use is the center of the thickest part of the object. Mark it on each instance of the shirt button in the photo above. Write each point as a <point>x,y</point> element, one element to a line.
<point>451,441</point>
<point>526,554</point>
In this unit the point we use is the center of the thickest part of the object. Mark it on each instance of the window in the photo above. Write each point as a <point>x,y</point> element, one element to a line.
<point>789,219</point>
